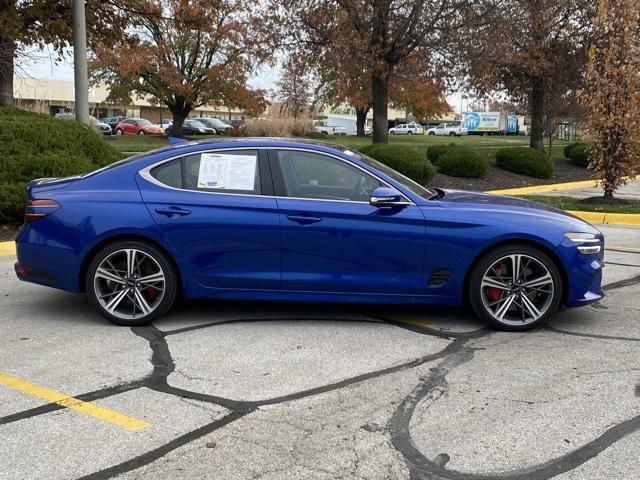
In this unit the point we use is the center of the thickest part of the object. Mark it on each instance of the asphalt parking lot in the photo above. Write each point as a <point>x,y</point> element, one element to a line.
<point>291,391</point>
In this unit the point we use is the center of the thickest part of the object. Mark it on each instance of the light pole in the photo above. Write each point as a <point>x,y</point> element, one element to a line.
<point>80,62</point>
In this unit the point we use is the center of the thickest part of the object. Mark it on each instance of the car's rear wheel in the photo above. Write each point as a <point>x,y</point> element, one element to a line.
<point>131,283</point>
<point>118,131</point>
<point>515,287</point>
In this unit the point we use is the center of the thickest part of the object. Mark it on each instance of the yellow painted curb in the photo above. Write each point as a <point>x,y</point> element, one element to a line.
<point>545,188</point>
<point>631,219</point>
<point>7,248</point>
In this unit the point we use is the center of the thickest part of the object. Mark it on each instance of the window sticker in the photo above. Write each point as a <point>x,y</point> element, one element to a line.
<point>227,171</point>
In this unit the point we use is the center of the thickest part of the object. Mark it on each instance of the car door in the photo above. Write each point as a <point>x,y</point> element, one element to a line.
<point>129,127</point>
<point>217,211</point>
<point>333,240</point>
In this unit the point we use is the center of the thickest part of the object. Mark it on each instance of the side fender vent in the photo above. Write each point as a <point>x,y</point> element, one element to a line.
<point>439,277</point>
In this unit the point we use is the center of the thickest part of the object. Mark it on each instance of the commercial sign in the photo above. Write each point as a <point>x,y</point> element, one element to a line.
<point>482,121</point>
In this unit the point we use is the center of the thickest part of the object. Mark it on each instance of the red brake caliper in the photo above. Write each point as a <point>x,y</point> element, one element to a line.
<point>151,293</point>
<point>493,293</point>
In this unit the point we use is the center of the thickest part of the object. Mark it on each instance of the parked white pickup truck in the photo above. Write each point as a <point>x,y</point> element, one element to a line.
<point>448,130</point>
<point>322,127</point>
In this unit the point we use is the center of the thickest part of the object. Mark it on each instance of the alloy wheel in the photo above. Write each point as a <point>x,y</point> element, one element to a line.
<point>129,284</point>
<point>517,289</point>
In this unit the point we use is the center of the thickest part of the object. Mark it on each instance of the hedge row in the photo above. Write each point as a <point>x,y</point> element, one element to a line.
<point>34,145</point>
<point>457,161</point>
<point>579,154</point>
<point>525,161</point>
<point>405,160</point>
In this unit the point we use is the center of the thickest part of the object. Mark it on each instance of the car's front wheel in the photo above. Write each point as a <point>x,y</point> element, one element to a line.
<point>131,283</point>
<point>515,287</point>
<point>118,131</point>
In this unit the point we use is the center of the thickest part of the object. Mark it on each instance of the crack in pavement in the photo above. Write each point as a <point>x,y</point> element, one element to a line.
<point>455,354</point>
<point>422,468</point>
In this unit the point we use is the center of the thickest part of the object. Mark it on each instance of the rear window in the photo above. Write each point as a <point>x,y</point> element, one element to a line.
<point>237,171</point>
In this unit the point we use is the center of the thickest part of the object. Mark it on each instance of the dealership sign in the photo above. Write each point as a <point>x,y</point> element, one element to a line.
<point>482,121</point>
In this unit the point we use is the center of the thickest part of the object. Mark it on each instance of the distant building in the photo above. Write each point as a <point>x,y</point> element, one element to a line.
<point>55,96</point>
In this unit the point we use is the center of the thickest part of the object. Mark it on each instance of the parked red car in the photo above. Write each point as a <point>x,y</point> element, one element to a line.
<point>137,126</point>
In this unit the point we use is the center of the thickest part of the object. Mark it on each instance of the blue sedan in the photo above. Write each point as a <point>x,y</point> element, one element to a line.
<point>266,219</point>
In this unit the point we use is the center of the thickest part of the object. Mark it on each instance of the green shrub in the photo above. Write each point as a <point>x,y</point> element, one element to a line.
<point>462,162</point>
<point>34,145</point>
<point>526,161</point>
<point>405,160</point>
<point>317,135</point>
<point>434,152</point>
<point>579,155</point>
<point>567,149</point>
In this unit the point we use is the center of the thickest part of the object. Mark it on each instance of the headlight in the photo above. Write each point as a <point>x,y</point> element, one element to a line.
<point>588,238</point>
<point>580,237</point>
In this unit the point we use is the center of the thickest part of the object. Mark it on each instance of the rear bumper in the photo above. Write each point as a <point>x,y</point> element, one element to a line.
<point>45,264</point>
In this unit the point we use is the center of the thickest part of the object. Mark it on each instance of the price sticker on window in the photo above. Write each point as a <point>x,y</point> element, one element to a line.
<point>226,171</point>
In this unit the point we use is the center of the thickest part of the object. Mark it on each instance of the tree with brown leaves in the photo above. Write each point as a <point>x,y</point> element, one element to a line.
<point>185,54</point>
<point>376,36</point>
<point>24,24</point>
<point>535,50</point>
<point>612,96</point>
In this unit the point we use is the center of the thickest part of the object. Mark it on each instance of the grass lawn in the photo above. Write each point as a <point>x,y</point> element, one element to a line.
<point>570,203</point>
<point>487,145</point>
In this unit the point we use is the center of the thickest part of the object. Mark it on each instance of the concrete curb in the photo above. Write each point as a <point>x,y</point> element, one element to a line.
<point>629,219</point>
<point>7,248</point>
<point>553,187</point>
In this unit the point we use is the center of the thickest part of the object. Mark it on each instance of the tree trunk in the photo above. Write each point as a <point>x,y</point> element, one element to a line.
<point>7,53</point>
<point>361,120</point>
<point>537,114</point>
<point>379,91</point>
<point>179,116</point>
<point>550,135</point>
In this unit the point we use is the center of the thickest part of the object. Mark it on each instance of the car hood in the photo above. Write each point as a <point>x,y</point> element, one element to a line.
<point>505,203</point>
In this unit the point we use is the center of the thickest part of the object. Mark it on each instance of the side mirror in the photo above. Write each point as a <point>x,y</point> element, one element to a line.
<point>386,197</point>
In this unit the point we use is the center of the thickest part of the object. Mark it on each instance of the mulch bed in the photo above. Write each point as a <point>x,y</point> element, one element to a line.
<point>498,179</point>
<point>8,232</point>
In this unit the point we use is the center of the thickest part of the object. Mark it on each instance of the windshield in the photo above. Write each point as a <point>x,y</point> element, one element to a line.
<point>424,192</point>
<point>197,124</point>
<point>143,121</point>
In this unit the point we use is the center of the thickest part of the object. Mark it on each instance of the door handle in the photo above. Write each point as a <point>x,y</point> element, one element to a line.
<point>304,219</point>
<point>173,211</point>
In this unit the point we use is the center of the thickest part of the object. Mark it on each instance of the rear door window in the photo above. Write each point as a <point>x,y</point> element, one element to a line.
<point>235,171</point>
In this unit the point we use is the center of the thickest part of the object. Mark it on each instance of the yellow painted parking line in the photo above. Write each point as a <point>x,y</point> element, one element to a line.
<point>419,323</point>
<point>87,408</point>
<point>7,248</point>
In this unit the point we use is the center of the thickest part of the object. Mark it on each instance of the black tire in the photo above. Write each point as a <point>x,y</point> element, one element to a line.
<point>170,278</point>
<point>452,134</point>
<point>118,131</point>
<point>141,132</point>
<point>475,291</point>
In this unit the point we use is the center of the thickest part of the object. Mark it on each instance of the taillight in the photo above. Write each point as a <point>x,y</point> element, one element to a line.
<point>39,208</point>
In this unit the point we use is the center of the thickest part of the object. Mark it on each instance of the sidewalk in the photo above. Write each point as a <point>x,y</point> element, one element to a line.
<point>631,191</point>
